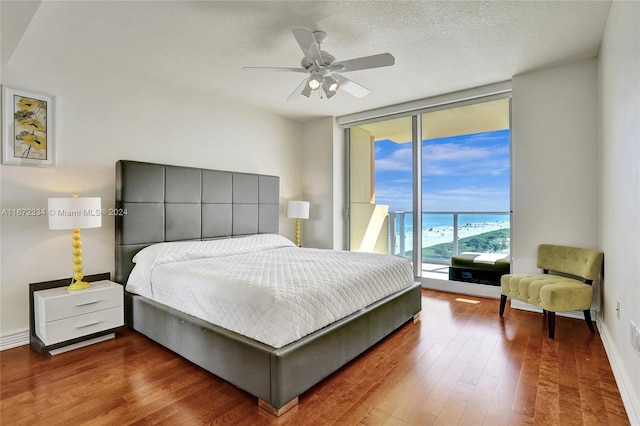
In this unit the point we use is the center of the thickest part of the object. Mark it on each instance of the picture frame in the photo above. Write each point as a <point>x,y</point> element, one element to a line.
<point>28,128</point>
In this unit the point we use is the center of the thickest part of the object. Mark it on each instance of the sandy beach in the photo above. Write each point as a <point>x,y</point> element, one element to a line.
<point>444,234</point>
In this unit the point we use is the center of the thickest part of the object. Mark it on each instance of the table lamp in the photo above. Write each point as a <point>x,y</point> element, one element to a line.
<point>75,213</point>
<point>298,210</point>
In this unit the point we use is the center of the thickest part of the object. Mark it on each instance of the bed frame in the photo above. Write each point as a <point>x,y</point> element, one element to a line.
<point>171,203</point>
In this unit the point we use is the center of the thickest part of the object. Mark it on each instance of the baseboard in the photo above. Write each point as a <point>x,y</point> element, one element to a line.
<point>14,340</point>
<point>82,344</point>
<point>471,289</point>
<point>630,400</point>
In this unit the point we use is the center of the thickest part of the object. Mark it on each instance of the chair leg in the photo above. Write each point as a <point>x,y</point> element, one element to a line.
<point>503,302</point>
<point>587,318</point>
<point>551,316</point>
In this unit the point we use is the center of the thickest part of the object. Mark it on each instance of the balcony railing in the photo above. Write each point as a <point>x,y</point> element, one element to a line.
<point>446,234</point>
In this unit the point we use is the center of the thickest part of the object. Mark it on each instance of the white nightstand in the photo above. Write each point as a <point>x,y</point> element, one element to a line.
<point>77,317</point>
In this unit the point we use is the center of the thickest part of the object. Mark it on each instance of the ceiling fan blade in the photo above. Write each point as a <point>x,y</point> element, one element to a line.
<point>351,86</point>
<point>366,62</point>
<point>302,89</point>
<point>283,69</point>
<point>308,44</point>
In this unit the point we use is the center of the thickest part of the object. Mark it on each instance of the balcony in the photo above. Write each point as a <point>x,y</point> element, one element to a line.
<point>446,234</point>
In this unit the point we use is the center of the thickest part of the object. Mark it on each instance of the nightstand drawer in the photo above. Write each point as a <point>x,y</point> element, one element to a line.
<point>70,328</point>
<point>58,303</point>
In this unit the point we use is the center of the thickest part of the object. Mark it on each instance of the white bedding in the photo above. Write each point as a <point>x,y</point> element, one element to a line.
<point>263,286</point>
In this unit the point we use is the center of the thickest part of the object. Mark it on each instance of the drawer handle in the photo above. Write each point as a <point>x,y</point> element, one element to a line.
<point>88,324</point>
<point>87,303</point>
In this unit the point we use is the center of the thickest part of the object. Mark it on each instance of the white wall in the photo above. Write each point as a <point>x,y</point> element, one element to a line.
<point>317,183</point>
<point>619,114</point>
<point>555,160</point>
<point>323,183</point>
<point>339,189</point>
<point>104,115</point>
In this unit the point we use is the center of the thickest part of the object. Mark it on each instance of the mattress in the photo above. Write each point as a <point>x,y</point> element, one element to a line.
<point>263,286</point>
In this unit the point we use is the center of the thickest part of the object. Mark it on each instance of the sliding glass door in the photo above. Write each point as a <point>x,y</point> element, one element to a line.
<point>381,173</point>
<point>432,185</point>
<point>465,181</point>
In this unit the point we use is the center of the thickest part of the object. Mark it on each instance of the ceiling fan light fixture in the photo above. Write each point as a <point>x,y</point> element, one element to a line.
<point>331,85</point>
<point>327,93</point>
<point>306,91</point>
<point>314,82</point>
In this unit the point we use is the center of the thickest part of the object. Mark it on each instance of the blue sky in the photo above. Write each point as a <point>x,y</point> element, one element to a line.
<point>459,173</point>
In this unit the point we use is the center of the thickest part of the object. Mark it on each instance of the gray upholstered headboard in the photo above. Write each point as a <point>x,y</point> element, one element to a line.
<point>173,203</point>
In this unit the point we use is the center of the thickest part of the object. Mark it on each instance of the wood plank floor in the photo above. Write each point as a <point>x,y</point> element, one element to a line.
<point>460,365</point>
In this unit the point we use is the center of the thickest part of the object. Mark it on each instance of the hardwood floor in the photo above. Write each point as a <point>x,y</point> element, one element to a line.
<point>460,365</point>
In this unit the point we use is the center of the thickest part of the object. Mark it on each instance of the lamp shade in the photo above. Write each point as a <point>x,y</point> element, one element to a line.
<point>298,209</point>
<point>71,213</point>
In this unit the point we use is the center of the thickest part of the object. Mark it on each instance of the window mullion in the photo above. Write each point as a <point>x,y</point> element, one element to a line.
<point>416,125</point>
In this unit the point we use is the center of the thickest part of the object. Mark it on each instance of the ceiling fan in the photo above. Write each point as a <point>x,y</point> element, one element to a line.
<point>323,69</point>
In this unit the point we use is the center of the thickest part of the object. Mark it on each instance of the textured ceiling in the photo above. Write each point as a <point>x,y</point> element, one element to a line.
<point>440,46</point>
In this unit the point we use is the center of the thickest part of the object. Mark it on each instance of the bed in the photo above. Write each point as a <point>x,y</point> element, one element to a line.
<point>172,206</point>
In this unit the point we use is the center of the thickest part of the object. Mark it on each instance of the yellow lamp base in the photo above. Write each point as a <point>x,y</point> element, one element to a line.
<point>76,281</point>
<point>78,285</point>
<point>298,239</point>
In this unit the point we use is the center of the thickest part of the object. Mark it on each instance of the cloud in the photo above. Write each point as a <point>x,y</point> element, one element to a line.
<point>461,160</point>
<point>453,152</point>
<point>467,199</point>
<point>399,160</point>
<point>399,197</point>
<point>454,159</point>
<point>461,173</point>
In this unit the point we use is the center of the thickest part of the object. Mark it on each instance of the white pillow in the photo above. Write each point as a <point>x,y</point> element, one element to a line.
<point>148,258</point>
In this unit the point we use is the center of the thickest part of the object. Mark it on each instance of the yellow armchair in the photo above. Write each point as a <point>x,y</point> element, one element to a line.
<point>564,285</point>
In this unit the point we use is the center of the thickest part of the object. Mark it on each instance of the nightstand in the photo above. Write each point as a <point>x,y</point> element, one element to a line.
<point>63,320</point>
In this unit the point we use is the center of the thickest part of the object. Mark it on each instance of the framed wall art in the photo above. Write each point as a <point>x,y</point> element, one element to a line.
<point>28,128</point>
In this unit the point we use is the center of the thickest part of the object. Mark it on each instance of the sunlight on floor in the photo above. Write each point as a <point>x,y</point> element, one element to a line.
<point>473,302</point>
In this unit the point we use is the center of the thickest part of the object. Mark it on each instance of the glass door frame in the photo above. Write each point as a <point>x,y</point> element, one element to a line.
<point>416,118</point>
<point>416,148</point>
<point>416,136</point>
